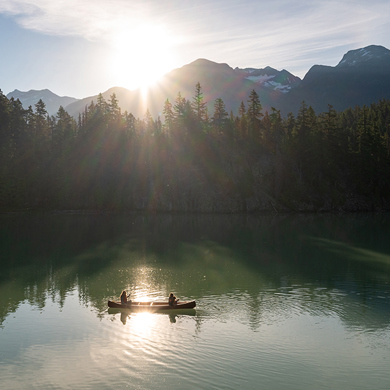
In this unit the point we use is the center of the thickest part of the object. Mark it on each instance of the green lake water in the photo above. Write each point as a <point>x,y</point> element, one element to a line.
<point>283,301</point>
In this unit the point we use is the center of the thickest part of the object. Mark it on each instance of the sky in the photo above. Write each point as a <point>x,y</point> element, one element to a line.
<point>80,48</point>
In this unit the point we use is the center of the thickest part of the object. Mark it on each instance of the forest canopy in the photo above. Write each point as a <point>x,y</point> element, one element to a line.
<point>194,160</point>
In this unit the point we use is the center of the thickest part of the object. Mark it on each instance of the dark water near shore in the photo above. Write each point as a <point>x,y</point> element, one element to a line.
<point>285,301</point>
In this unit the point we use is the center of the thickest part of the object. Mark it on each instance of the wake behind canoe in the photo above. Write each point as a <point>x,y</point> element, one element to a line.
<point>151,305</point>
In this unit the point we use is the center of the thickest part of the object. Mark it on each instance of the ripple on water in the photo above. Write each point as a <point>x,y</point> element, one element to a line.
<point>148,342</point>
<point>272,332</point>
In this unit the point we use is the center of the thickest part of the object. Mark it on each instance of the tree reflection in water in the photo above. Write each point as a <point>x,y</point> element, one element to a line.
<point>246,264</point>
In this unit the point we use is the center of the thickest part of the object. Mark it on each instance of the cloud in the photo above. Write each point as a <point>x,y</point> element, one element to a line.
<point>91,19</point>
<point>96,18</point>
<point>290,35</point>
<point>256,32</point>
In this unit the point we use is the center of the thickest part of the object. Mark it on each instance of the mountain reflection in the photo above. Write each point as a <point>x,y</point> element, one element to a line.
<point>259,268</point>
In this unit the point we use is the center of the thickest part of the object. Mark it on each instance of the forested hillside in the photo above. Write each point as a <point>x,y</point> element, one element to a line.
<point>194,160</point>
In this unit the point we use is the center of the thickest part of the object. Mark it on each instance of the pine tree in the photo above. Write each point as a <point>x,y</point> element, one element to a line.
<point>42,131</point>
<point>102,105</point>
<point>130,126</point>
<point>243,124</point>
<point>277,131</point>
<point>149,123</point>
<point>198,104</point>
<point>168,116</point>
<point>254,116</point>
<point>5,149</point>
<point>301,140</point>
<point>114,111</point>
<point>64,132</point>
<point>179,108</point>
<point>220,115</point>
<point>267,132</point>
<point>18,124</point>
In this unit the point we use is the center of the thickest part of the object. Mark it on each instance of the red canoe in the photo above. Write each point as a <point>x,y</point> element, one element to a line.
<point>152,305</point>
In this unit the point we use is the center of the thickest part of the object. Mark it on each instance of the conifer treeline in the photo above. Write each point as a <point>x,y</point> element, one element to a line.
<point>111,160</point>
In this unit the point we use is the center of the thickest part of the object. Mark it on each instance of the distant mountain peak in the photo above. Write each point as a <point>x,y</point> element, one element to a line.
<point>202,61</point>
<point>207,64</point>
<point>271,78</point>
<point>364,55</point>
<point>51,100</point>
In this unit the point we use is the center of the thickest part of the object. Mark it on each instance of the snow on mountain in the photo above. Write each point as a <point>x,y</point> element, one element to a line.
<point>365,55</point>
<point>271,78</point>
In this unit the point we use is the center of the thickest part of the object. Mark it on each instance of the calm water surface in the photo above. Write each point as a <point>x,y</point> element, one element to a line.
<point>283,302</point>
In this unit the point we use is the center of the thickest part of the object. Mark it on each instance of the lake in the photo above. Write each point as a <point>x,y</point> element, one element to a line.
<point>283,301</point>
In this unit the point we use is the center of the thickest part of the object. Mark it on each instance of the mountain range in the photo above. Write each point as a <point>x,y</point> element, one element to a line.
<point>361,77</point>
<point>52,101</point>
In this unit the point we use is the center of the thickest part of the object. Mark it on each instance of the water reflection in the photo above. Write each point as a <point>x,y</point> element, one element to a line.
<point>146,316</point>
<point>351,252</point>
<point>124,317</point>
<point>259,269</point>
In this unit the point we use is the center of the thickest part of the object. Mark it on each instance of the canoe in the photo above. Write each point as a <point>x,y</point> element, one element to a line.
<point>152,305</point>
<point>170,312</point>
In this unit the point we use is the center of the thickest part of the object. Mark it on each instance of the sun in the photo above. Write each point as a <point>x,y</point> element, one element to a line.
<point>141,55</point>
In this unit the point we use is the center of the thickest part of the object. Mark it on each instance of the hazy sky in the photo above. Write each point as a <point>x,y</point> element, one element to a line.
<point>79,48</point>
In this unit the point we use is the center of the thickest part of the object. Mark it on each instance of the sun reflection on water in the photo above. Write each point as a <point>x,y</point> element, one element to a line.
<point>145,285</point>
<point>142,323</point>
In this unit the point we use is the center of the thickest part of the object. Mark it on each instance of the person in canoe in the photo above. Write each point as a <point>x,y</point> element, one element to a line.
<point>172,301</point>
<point>124,298</point>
